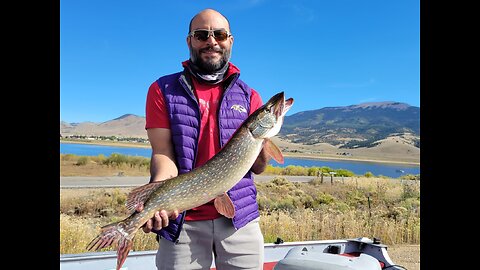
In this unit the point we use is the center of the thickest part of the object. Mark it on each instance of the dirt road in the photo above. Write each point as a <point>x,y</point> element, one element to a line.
<point>131,181</point>
<point>407,256</point>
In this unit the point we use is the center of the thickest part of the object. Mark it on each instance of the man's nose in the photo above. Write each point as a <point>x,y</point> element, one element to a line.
<point>211,39</point>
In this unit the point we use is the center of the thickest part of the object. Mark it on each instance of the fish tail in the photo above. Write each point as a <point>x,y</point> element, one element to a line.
<point>124,247</point>
<point>117,234</point>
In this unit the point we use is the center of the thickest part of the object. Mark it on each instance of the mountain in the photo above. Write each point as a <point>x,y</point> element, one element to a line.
<point>127,125</point>
<point>362,125</point>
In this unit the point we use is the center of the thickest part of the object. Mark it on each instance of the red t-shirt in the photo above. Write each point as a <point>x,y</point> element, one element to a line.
<point>209,142</point>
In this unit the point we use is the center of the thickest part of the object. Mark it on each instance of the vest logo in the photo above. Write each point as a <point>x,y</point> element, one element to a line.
<point>239,108</point>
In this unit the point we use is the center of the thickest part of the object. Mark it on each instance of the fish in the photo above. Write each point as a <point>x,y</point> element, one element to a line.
<point>211,181</point>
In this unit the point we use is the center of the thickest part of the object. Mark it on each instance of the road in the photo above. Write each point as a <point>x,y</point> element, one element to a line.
<point>129,181</point>
<point>134,181</point>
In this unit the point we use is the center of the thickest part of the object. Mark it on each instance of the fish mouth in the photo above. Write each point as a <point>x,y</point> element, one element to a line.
<point>281,106</point>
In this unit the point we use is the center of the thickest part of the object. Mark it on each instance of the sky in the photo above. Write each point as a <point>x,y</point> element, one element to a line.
<point>322,53</point>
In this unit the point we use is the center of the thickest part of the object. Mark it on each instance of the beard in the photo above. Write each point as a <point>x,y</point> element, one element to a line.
<point>210,65</point>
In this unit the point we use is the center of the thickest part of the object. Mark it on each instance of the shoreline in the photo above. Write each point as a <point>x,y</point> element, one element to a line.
<point>297,155</point>
<point>118,144</point>
<point>383,161</point>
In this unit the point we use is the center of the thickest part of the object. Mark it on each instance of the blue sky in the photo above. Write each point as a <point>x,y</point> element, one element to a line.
<point>323,53</point>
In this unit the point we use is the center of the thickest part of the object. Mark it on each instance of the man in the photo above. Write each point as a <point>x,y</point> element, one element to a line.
<point>190,115</point>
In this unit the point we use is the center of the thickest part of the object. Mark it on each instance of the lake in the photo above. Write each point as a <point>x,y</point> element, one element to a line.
<point>357,167</point>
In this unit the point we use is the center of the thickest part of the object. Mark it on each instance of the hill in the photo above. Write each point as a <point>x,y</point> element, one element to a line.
<point>354,126</point>
<point>127,125</point>
<point>382,131</point>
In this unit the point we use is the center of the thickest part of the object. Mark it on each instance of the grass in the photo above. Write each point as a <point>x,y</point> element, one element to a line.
<point>76,232</point>
<point>115,164</point>
<point>357,207</point>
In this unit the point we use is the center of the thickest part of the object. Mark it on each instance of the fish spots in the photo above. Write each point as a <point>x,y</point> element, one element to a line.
<point>215,177</point>
<point>199,186</point>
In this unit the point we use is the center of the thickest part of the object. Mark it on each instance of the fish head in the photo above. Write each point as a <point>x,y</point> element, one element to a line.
<point>267,120</point>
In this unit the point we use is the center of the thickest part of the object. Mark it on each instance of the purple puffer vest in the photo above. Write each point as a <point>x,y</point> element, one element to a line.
<point>184,115</point>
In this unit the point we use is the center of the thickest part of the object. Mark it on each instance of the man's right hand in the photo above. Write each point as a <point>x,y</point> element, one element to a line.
<point>162,167</point>
<point>159,220</point>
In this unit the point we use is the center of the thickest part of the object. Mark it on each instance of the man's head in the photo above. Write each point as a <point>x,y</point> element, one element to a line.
<point>209,50</point>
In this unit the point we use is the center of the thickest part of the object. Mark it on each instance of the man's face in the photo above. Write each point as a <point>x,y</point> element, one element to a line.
<point>210,54</point>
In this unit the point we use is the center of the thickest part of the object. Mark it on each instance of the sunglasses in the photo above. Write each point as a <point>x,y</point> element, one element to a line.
<point>204,34</point>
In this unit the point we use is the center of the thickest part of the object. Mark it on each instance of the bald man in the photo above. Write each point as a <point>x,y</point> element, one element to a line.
<point>190,115</point>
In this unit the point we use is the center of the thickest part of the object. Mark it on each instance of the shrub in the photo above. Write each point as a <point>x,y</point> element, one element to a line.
<point>82,161</point>
<point>345,173</point>
<point>68,157</point>
<point>410,190</point>
<point>368,174</point>
<point>323,198</point>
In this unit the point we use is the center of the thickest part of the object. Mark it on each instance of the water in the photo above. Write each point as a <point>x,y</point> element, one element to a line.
<point>95,150</point>
<point>357,167</point>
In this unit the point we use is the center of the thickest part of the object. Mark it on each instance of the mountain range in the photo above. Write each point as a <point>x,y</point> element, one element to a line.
<point>127,125</point>
<point>354,126</point>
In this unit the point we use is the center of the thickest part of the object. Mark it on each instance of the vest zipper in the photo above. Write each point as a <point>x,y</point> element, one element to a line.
<point>188,88</point>
<point>232,81</point>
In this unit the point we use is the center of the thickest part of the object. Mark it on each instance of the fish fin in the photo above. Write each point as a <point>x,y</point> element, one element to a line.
<point>140,194</point>
<point>273,150</point>
<point>224,205</point>
<point>108,235</point>
<point>117,234</point>
<point>124,247</point>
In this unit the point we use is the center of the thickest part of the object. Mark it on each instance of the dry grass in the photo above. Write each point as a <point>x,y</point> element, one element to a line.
<point>73,165</point>
<point>407,256</point>
<point>84,211</point>
<point>359,207</point>
<point>335,212</point>
<point>77,232</point>
<point>307,224</point>
<point>338,211</point>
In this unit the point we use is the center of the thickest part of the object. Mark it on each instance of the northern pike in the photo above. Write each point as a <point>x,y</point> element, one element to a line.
<point>203,184</point>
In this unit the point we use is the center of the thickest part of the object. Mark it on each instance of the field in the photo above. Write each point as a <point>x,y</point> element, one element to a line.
<point>359,206</point>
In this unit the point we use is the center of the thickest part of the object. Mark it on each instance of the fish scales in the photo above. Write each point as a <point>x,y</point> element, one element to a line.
<point>204,183</point>
<point>212,179</point>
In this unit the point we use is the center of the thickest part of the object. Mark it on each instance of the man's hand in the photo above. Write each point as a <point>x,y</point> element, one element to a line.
<point>159,220</point>
<point>261,162</point>
<point>162,166</point>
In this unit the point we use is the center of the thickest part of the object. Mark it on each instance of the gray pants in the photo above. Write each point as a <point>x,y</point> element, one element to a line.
<point>200,241</point>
